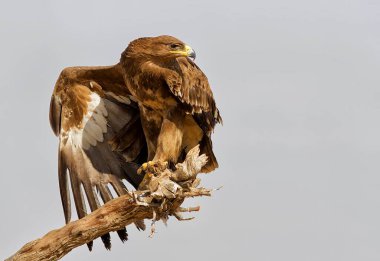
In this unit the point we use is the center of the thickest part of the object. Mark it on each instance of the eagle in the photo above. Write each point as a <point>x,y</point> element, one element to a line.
<point>117,122</point>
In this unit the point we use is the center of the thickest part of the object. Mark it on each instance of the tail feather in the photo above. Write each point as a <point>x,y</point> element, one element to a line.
<point>206,148</point>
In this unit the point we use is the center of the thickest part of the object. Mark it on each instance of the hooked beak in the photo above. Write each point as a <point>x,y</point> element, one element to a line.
<point>190,52</point>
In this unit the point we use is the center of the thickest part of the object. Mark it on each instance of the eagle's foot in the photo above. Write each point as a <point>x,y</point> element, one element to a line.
<point>153,167</point>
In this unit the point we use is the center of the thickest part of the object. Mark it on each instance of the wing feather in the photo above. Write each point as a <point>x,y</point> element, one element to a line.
<point>192,88</point>
<point>64,186</point>
<point>87,118</point>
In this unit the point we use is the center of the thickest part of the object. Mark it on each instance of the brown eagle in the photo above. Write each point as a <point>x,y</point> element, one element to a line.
<point>114,122</point>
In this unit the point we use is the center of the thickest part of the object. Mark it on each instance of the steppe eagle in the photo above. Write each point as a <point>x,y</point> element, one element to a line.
<point>114,122</point>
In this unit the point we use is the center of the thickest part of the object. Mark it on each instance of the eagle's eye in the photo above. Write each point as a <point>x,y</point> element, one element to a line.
<point>175,46</point>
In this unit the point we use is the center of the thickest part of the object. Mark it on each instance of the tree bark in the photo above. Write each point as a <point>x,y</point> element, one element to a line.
<point>160,195</point>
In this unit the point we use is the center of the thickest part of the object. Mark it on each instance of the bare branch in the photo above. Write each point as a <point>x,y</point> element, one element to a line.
<point>149,202</point>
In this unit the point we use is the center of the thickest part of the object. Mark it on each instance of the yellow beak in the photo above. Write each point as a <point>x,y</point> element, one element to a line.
<point>189,52</point>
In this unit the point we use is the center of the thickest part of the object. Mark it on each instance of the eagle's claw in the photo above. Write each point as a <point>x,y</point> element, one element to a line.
<point>153,167</point>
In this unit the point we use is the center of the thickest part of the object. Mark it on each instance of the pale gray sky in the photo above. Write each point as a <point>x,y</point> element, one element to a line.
<point>297,83</point>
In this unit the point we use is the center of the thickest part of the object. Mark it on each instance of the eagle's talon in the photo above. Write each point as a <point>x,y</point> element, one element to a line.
<point>145,166</point>
<point>153,167</point>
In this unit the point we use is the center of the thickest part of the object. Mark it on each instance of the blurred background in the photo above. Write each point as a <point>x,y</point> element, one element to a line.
<point>297,83</point>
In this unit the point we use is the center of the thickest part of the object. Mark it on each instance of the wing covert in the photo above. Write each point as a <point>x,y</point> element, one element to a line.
<point>192,88</point>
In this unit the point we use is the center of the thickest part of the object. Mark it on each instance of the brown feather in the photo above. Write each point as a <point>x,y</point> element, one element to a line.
<point>166,82</point>
<point>154,104</point>
<point>89,106</point>
<point>64,186</point>
<point>55,115</point>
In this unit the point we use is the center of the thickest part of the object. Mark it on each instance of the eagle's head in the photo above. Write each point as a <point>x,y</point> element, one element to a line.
<point>160,47</point>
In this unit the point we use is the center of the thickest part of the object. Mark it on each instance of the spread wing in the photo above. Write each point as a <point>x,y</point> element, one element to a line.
<point>101,141</point>
<point>192,88</point>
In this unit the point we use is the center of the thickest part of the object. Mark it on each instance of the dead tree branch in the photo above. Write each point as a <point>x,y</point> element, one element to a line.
<point>160,196</point>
